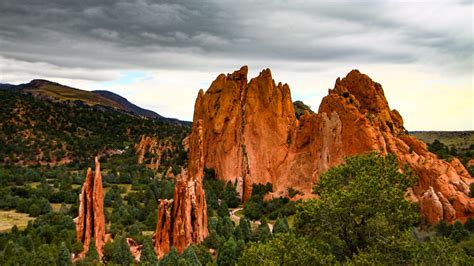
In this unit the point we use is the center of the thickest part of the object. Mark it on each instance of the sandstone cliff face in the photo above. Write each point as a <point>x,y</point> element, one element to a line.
<point>91,221</point>
<point>183,220</point>
<point>250,134</point>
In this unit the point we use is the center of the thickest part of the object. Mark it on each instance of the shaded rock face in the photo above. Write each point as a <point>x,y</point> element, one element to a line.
<point>91,221</point>
<point>183,220</point>
<point>251,134</point>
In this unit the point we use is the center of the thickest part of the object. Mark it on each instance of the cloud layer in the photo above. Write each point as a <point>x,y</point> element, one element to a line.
<point>89,42</point>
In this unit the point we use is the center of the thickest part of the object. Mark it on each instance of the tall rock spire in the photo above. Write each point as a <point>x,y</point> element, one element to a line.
<point>186,222</point>
<point>90,222</point>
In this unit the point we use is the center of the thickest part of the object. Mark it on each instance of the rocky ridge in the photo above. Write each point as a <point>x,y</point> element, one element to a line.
<point>250,134</point>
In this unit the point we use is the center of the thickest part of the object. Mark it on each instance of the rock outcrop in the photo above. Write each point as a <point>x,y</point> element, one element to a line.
<point>150,151</point>
<point>251,135</point>
<point>183,220</point>
<point>135,248</point>
<point>91,221</point>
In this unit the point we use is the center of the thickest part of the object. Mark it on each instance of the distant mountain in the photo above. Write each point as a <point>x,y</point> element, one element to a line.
<point>6,86</point>
<point>126,105</point>
<point>48,90</point>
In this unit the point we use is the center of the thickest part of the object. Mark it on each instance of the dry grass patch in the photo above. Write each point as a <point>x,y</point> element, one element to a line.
<point>10,218</point>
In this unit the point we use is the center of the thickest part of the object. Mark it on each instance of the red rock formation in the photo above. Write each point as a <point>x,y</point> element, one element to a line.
<point>151,145</point>
<point>470,163</point>
<point>250,134</point>
<point>135,248</point>
<point>186,222</point>
<point>91,221</point>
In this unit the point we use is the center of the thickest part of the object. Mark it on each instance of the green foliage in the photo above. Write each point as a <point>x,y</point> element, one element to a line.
<point>223,209</point>
<point>213,240</point>
<point>263,232</point>
<point>301,108</point>
<point>253,209</point>
<point>261,189</point>
<point>189,255</point>
<point>171,259</point>
<point>469,225</point>
<point>444,229</point>
<point>440,149</point>
<point>63,131</point>
<point>293,192</point>
<point>118,252</point>
<point>448,152</point>
<point>471,190</point>
<point>225,227</point>
<point>230,195</point>
<point>405,250</point>
<point>64,256</point>
<point>44,255</point>
<point>459,233</point>
<point>359,200</point>
<point>148,255</point>
<point>92,254</point>
<point>281,226</point>
<point>284,249</point>
<point>202,253</point>
<point>228,253</point>
<point>243,231</point>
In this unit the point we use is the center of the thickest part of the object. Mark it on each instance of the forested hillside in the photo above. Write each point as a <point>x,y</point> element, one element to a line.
<point>40,132</point>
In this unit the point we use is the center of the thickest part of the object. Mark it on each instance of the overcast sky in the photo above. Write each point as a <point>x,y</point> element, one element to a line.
<point>158,54</point>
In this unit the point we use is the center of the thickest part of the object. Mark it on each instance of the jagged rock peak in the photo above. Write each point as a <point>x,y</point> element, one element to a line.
<point>240,74</point>
<point>250,135</point>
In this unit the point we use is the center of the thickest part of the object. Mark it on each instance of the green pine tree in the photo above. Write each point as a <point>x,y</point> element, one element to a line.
<point>92,253</point>
<point>190,256</point>
<point>227,254</point>
<point>148,255</point>
<point>281,226</point>
<point>171,259</point>
<point>263,231</point>
<point>122,254</point>
<point>243,230</point>
<point>223,209</point>
<point>64,256</point>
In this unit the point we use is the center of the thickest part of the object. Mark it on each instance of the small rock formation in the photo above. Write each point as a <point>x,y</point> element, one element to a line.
<point>135,248</point>
<point>250,134</point>
<point>151,145</point>
<point>91,221</point>
<point>470,163</point>
<point>183,220</point>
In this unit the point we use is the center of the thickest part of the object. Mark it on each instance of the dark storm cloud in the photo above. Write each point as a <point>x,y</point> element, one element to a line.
<point>206,34</point>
